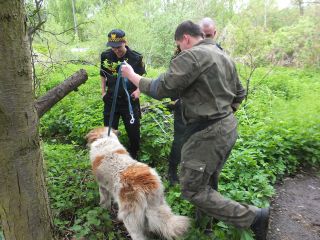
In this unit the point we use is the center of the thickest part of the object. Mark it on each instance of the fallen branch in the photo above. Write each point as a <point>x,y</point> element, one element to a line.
<point>44,103</point>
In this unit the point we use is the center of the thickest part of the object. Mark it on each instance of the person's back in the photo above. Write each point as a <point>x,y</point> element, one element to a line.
<point>208,28</point>
<point>210,141</point>
<point>213,82</point>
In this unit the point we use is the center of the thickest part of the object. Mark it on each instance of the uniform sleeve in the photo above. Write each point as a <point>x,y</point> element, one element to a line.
<point>140,66</point>
<point>102,67</point>
<point>240,91</point>
<point>104,71</point>
<point>183,71</point>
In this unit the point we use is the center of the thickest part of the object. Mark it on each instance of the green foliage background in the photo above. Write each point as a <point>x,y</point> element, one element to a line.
<point>277,52</point>
<point>256,28</point>
<point>278,134</point>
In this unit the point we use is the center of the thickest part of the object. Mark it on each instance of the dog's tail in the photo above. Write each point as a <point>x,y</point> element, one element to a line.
<point>163,222</point>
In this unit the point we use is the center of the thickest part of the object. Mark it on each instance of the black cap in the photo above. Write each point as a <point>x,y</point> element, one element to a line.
<point>115,38</point>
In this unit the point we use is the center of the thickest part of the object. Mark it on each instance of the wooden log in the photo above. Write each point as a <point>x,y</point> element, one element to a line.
<point>44,103</point>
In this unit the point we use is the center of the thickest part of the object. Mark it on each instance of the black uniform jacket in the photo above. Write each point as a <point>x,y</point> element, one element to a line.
<point>110,64</point>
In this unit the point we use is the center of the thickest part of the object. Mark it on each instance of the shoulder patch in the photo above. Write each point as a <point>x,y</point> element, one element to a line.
<point>107,52</point>
<point>142,63</point>
<point>107,55</point>
<point>110,53</point>
<point>135,53</point>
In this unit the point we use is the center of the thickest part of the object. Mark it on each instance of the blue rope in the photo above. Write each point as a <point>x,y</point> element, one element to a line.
<point>115,95</point>
<point>125,87</point>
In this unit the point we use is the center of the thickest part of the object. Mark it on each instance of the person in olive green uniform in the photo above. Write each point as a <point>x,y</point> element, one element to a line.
<point>206,81</point>
<point>208,28</point>
<point>110,63</point>
<point>203,221</point>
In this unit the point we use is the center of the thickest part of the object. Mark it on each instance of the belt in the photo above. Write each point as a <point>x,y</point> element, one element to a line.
<point>198,126</point>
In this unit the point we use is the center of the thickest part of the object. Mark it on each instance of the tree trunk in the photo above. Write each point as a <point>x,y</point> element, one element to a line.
<point>24,208</point>
<point>301,8</point>
<point>265,14</point>
<point>75,19</point>
<point>45,102</point>
<point>300,5</point>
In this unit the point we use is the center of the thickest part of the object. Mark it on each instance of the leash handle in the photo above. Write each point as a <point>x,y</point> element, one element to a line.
<point>124,84</point>
<point>114,100</point>
<point>115,96</point>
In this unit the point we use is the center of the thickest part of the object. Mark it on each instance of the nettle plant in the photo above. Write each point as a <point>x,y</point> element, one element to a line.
<point>73,193</point>
<point>278,132</point>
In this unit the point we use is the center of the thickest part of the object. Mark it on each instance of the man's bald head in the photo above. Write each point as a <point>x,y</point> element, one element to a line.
<point>208,27</point>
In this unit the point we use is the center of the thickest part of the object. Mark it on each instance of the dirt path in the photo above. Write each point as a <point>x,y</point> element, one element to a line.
<point>295,211</point>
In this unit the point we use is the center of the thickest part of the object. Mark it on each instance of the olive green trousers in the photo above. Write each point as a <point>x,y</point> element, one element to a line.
<point>203,155</point>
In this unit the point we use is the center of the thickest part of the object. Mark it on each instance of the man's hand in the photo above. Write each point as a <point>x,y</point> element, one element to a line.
<point>103,93</point>
<point>128,72</point>
<point>136,94</point>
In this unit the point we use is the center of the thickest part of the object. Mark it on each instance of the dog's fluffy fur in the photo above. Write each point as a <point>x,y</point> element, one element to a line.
<point>134,186</point>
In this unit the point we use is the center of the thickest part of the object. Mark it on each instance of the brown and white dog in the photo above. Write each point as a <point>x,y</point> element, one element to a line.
<point>134,186</point>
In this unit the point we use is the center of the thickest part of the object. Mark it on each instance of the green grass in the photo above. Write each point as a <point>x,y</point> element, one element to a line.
<point>279,131</point>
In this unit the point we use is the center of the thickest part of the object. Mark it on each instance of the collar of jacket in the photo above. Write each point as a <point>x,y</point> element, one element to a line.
<point>128,53</point>
<point>205,41</point>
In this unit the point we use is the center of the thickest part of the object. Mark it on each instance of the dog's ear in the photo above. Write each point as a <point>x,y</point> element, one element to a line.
<point>116,132</point>
<point>91,137</point>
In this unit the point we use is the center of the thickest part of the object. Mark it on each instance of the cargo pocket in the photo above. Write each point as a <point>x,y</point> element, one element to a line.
<point>192,177</point>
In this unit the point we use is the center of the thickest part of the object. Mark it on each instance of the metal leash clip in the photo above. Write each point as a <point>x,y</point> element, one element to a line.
<point>132,118</point>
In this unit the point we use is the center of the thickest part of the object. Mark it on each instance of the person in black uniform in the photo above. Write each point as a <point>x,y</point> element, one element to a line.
<point>110,63</point>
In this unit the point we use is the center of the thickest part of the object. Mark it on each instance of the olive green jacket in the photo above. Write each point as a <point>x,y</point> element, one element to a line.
<point>205,79</point>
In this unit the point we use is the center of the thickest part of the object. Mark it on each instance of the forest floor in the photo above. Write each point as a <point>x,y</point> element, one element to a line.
<point>295,209</point>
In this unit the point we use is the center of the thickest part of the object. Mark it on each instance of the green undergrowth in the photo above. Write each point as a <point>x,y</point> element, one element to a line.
<point>279,132</point>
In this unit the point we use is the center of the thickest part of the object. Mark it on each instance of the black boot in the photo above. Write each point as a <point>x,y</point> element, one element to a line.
<point>173,172</point>
<point>173,178</point>
<point>261,223</point>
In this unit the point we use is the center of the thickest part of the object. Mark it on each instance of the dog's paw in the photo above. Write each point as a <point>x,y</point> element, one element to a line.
<point>106,204</point>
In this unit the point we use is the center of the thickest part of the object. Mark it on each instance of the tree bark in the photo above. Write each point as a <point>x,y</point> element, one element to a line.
<point>24,208</point>
<point>75,19</point>
<point>300,5</point>
<point>44,103</point>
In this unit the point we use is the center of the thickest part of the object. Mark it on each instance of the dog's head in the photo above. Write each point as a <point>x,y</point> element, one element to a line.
<point>101,132</point>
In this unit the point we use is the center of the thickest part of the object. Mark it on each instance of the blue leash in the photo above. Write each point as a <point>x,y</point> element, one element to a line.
<point>125,87</point>
<point>115,95</point>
